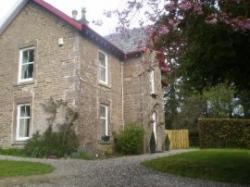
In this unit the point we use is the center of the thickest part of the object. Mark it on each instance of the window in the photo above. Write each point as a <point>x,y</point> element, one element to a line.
<point>152,82</point>
<point>154,122</point>
<point>23,122</point>
<point>26,65</point>
<point>104,120</point>
<point>103,68</point>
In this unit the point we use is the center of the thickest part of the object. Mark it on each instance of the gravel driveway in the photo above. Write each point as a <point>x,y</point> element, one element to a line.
<point>123,171</point>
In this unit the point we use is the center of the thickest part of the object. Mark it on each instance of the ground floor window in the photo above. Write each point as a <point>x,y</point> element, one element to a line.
<point>154,122</point>
<point>104,122</point>
<point>23,122</point>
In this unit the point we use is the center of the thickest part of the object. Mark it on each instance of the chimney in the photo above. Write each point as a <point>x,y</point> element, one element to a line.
<point>83,18</point>
<point>74,14</point>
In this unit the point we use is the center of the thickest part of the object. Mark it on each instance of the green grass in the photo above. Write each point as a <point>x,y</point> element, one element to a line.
<point>225,165</point>
<point>12,152</point>
<point>20,168</point>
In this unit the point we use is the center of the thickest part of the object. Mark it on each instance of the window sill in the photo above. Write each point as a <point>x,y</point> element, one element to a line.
<point>104,85</point>
<point>20,142</point>
<point>24,83</point>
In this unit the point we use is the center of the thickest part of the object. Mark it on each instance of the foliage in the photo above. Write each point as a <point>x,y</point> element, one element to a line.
<point>212,164</point>
<point>167,143</point>
<point>82,154</point>
<point>194,139</point>
<point>59,143</point>
<point>12,152</point>
<point>20,168</point>
<point>219,100</point>
<point>231,133</point>
<point>192,108</point>
<point>152,143</point>
<point>216,102</point>
<point>130,140</point>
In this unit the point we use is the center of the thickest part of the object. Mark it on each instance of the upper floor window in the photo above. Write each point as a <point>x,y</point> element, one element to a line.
<point>152,82</point>
<point>103,67</point>
<point>23,122</point>
<point>26,65</point>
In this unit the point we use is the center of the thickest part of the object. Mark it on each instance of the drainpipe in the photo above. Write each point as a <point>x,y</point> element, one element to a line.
<point>122,83</point>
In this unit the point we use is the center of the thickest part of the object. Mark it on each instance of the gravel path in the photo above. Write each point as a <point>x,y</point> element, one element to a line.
<point>124,171</point>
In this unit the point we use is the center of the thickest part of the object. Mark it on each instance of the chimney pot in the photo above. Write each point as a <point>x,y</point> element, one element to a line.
<point>83,17</point>
<point>74,14</point>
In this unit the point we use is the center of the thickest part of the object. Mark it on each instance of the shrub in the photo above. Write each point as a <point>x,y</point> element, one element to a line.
<point>194,140</point>
<point>129,141</point>
<point>61,143</point>
<point>57,144</point>
<point>226,133</point>
<point>167,143</point>
<point>152,143</point>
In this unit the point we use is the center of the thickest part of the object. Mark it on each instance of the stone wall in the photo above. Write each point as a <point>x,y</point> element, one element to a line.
<point>139,104</point>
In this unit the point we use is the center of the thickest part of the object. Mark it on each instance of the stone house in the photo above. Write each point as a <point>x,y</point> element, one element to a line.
<point>45,53</point>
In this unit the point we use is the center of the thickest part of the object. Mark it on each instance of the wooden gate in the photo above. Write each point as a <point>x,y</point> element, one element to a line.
<point>177,139</point>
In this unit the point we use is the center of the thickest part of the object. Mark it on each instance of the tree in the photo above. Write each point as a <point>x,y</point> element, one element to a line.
<point>209,41</point>
<point>219,101</point>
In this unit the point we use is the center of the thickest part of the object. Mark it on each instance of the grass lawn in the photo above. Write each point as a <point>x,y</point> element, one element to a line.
<point>20,168</point>
<point>225,165</point>
<point>12,152</point>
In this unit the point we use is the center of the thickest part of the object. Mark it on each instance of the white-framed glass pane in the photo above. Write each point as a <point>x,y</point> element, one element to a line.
<point>24,128</point>
<point>102,59</point>
<point>103,127</point>
<point>103,120</point>
<point>103,67</point>
<point>103,111</point>
<point>25,57</point>
<point>27,71</point>
<point>103,74</point>
<point>24,111</point>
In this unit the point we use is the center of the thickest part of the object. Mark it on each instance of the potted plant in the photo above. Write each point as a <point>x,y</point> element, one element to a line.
<point>105,138</point>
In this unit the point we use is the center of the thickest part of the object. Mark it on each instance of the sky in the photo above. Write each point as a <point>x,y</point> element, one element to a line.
<point>95,9</point>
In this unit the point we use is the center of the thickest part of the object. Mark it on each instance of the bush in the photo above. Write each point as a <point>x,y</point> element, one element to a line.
<point>61,143</point>
<point>194,140</point>
<point>152,143</point>
<point>129,141</point>
<point>167,143</point>
<point>226,133</point>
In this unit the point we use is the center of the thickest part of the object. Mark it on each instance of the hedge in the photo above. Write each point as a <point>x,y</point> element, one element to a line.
<point>224,133</point>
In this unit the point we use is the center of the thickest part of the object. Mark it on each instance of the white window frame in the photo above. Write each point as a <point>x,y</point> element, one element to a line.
<point>106,118</point>
<point>152,82</point>
<point>101,66</point>
<point>154,123</point>
<point>18,138</point>
<point>21,51</point>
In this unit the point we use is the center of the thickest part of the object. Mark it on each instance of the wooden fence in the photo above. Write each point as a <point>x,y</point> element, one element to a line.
<point>178,139</point>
